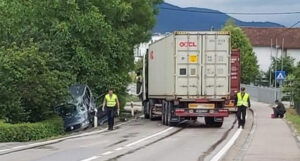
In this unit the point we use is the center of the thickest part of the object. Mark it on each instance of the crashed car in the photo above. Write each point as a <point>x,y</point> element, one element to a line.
<point>78,112</point>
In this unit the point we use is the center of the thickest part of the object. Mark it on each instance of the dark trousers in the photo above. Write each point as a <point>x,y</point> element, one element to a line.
<point>110,116</point>
<point>241,115</point>
<point>277,113</point>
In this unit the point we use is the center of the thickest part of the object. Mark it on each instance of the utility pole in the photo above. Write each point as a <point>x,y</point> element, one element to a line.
<point>270,69</point>
<point>276,46</point>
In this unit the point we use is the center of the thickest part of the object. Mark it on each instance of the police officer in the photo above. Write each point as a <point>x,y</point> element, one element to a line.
<point>242,102</point>
<point>111,102</point>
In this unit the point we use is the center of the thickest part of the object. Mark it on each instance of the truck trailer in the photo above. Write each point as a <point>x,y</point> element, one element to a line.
<point>235,79</point>
<point>186,75</point>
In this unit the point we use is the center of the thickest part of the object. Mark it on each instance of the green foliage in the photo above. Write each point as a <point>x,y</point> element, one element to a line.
<point>287,64</point>
<point>87,41</point>
<point>29,88</point>
<point>294,118</point>
<point>239,40</point>
<point>31,131</point>
<point>296,84</point>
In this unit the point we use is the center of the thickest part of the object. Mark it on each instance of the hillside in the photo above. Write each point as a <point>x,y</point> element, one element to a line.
<point>171,18</point>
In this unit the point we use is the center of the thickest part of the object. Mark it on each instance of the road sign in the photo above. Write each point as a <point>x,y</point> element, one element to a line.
<point>280,75</point>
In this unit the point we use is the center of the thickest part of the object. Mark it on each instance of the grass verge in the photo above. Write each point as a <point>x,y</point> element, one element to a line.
<point>294,118</point>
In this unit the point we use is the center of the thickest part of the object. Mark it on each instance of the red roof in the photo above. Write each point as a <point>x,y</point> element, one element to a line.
<point>263,36</point>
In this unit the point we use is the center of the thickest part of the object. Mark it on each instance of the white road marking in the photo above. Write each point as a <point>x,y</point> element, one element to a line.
<point>131,144</point>
<point>228,145</point>
<point>118,149</point>
<point>91,158</point>
<point>56,140</point>
<point>149,137</point>
<point>107,153</point>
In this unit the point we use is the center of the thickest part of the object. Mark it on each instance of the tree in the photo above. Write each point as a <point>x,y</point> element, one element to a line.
<point>287,64</point>
<point>29,88</point>
<point>91,40</point>
<point>239,40</point>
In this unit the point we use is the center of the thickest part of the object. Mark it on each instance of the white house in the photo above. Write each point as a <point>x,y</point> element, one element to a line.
<point>268,42</point>
<point>141,49</point>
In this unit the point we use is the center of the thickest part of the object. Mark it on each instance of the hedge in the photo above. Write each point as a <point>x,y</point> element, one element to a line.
<point>31,131</point>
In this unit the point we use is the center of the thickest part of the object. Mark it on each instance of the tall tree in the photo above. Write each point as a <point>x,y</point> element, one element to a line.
<point>239,40</point>
<point>92,40</point>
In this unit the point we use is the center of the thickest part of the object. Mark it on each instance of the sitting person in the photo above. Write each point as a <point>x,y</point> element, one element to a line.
<point>279,110</point>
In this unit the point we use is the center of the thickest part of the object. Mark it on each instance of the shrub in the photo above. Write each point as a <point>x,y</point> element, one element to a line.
<point>31,131</point>
<point>29,87</point>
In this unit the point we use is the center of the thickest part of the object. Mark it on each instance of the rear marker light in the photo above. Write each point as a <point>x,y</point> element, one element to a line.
<point>179,111</point>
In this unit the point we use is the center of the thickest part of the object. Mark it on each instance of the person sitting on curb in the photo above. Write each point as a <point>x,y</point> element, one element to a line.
<point>279,110</point>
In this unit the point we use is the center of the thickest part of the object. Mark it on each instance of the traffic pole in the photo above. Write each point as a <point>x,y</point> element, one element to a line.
<point>95,119</point>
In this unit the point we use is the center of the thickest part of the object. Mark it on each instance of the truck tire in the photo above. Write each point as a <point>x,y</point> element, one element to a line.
<point>146,109</point>
<point>151,104</point>
<point>163,113</point>
<point>210,122</point>
<point>218,124</point>
<point>169,115</point>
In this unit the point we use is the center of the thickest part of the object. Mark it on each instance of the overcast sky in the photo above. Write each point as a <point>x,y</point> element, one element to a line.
<point>249,6</point>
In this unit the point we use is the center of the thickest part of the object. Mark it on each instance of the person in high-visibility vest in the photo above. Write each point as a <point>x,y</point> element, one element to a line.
<point>242,101</point>
<point>111,103</point>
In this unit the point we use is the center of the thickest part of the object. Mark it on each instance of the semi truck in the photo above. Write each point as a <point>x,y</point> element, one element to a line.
<point>187,75</point>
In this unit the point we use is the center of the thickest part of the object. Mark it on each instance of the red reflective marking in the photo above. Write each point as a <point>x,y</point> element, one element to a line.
<point>187,44</point>
<point>151,55</point>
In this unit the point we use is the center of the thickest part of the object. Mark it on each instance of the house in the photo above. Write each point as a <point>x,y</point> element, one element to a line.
<point>274,42</point>
<point>141,49</point>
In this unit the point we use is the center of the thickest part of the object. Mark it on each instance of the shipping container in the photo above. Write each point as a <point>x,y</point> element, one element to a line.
<point>190,65</point>
<point>235,79</point>
<point>187,75</point>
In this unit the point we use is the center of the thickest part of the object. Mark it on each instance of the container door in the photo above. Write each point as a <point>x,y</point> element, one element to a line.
<point>188,68</point>
<point>216,65</point>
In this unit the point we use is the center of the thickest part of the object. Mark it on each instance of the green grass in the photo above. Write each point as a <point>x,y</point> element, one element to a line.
<point>293,117</point>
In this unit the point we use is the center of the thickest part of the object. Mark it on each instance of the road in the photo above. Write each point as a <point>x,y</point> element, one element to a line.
<point>134,141</point>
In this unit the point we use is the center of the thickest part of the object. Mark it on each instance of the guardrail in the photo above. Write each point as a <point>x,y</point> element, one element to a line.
<point>263,94</point>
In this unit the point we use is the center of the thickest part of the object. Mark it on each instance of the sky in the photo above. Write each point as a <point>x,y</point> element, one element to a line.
<point>249,6</point>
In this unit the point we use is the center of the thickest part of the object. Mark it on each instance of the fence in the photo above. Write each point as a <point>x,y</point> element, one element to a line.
<point>263,94</point>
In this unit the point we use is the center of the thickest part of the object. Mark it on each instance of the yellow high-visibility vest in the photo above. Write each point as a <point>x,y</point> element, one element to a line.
<point>111,101</point>
<point>242,100</point>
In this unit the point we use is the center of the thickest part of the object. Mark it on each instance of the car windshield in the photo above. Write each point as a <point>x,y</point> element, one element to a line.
<point>68,110</point>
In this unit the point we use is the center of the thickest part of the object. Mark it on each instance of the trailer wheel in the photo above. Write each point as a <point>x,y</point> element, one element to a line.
<point>146,110</point>
<point>210,121</point>
<point>164,113</point>
<point>150,109</point>
<point>218,124</point>
<point>169,115</point>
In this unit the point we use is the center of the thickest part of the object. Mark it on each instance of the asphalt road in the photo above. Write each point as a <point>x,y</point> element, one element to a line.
<point>135,141</point>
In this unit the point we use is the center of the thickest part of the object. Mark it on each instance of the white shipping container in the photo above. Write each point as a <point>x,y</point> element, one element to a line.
<point>190,65</point>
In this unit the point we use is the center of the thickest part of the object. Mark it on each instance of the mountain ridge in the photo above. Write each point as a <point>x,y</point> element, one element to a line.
<point>171,18</point>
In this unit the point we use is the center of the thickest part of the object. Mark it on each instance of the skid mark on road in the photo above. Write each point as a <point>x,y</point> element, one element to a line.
<point>213,147</point>
<point>142,147</point>
<point>116,143</point>
<point>133,144</point>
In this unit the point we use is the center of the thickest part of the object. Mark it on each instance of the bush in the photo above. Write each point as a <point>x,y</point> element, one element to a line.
<point>29,87</point>
<point>31,131</point>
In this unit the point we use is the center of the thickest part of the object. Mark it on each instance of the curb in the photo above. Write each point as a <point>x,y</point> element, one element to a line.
<point>38,144</point>
<point>293,130</point>
<point>240,154</point>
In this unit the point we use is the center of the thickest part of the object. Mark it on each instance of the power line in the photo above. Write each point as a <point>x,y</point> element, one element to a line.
<point>232,13</point>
